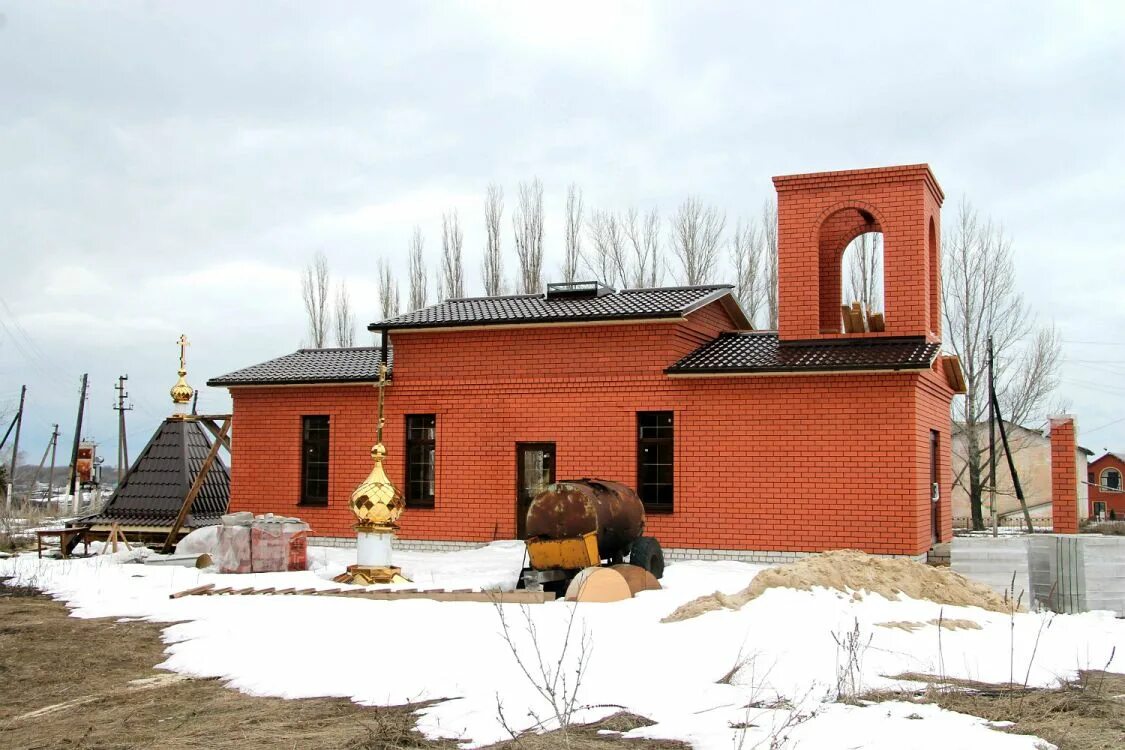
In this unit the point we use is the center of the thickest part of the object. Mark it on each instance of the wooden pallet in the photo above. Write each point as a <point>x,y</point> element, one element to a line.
<point>439,595</point>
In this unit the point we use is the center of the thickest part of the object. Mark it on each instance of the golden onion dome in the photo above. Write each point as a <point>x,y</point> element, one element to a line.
<point>376,503</point>
<point>181,392</point>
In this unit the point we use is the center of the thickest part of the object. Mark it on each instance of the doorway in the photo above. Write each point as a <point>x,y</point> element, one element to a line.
<point>935,490</point>
<point>535,469</point>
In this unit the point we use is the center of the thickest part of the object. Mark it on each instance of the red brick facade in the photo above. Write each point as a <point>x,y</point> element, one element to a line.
<point>1099,489</point>
<point>780,462</point>
<point>819,214</point>
<point>1064,476</point>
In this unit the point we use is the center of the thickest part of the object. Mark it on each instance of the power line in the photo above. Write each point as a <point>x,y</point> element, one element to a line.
<point>1094,343</point>
<point>1102,427</point>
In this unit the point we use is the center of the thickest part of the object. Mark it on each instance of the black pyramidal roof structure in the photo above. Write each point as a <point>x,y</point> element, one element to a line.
<point>154,490</point>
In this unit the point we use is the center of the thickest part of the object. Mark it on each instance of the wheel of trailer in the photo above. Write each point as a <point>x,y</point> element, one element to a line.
<point>646,553</point>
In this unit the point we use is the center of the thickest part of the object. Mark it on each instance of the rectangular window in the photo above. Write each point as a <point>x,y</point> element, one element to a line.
<point>420,432</point>
<point>655,451</point>
<point>314,460</point>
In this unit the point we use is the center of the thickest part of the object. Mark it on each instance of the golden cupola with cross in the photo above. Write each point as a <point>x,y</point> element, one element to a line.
<point>181,392</point>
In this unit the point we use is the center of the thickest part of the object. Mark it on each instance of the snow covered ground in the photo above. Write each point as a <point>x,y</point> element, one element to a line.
<point>395,652</point>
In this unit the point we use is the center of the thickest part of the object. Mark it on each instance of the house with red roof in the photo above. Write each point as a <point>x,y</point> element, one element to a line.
<point>829,432</point>
<point>1106,486</point>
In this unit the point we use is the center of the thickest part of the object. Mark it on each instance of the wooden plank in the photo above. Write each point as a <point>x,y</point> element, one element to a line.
<point>196,486</point>
<point>846,316</point>
<point>501,597</point>
<point>192,592</point>
<point>859,320</point>
<point>876,322</point>
<point>218,592</point>
<point>210,425</point>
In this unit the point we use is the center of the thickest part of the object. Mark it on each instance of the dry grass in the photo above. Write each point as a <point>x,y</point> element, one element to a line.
<point>79,679</point>
<point>1084,714</point>
<point>1115,528</point>
<point>14,524</point>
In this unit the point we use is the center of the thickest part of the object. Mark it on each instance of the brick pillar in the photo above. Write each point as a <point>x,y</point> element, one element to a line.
<point>1064,475</point>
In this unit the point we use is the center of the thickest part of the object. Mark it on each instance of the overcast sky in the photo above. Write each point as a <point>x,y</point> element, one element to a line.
<point>170,168</point>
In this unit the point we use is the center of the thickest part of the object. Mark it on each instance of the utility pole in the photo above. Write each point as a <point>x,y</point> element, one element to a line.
<point>48,449</point>
<point>73,482</point>
<point>195,402</point>
<point>15,448</point>
<point>122,439</point>
<point>51,471</point>
<point>992,443</point>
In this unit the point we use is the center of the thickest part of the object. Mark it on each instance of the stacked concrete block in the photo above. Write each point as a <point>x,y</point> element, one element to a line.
<point>995,562</point>
<point>1057,572</point>
<point>1105,580</point>
<point>1061,572</point>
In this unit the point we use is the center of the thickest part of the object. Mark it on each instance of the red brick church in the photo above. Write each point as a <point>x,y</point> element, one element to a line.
<point>752,444</point>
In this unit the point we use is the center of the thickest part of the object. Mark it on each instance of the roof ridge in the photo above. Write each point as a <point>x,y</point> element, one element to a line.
<point>474,299</point>
<point>681,288</point>
<point>333,349</point>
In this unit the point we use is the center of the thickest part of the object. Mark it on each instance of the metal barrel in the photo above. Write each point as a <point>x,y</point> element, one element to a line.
<point>572,508</point>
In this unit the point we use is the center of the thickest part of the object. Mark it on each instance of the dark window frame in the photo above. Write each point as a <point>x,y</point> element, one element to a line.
<point>1106,483</point>
<point>307,498</point>
<point>654,442</point>
<point>412,499</point>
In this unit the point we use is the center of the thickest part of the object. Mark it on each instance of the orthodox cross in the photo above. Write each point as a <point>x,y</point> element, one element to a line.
<point>382,386</point>
<point>183,342</point>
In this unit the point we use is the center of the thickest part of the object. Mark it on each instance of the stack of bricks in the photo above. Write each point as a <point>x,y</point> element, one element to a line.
<point>1064,475</point>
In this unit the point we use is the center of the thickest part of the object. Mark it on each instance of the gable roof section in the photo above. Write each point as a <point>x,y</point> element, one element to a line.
<point>762,352</point>
<point>343,365</point>
<point>154,490</point>
<point>537,309</point>
<point>1112,455</point>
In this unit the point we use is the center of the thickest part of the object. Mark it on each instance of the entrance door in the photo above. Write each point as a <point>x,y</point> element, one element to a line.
<point>535,469</point>
<point>935,489</point>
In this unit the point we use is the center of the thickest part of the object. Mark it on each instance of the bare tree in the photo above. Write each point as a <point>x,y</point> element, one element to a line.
<point>606,257</point>
<point>697,231</point>
<point>418,281</point>
<point>388,290</point>
<point>492,267</point>
<point>573,237</point>
<point>863,259</point>
<point>527,224</point>
<point>746,249</point>
<point>769,257</point>
<point>979,300</point>
<point>452,270</point>
<point>314,292</point>
<point>345,319</point>
<point>646,266</point>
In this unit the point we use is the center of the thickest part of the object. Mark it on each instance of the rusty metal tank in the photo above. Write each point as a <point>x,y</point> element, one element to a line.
<point>571,508</point>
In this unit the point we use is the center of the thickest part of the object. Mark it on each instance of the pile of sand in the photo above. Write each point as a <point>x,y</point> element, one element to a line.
<point>850,570</point>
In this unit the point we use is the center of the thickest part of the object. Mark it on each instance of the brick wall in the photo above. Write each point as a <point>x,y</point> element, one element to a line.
<point>1064,476</point>
<point>819,214</point>
<point>781,463</point>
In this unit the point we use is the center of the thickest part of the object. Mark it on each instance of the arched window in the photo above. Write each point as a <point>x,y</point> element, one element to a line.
<point>850,248</point>
<point>862,271</point>
<point>1111,480</point>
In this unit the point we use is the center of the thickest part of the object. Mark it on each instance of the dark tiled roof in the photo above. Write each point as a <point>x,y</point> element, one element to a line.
<point>763,352</point>
<point>155,487</point>
<point>627,304</point>
<point>347,365</point>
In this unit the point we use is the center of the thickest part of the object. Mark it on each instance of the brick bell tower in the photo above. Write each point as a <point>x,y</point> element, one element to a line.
<point>819,214</point>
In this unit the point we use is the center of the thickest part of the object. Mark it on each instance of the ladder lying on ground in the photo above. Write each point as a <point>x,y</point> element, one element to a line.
<point>440,595</point>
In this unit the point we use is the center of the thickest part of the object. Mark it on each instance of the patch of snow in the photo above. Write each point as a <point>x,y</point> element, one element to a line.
<point>395,652</point>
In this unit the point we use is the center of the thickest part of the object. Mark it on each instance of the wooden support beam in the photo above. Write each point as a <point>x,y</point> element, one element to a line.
<point>196,486</point>
<point>211,426</point>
